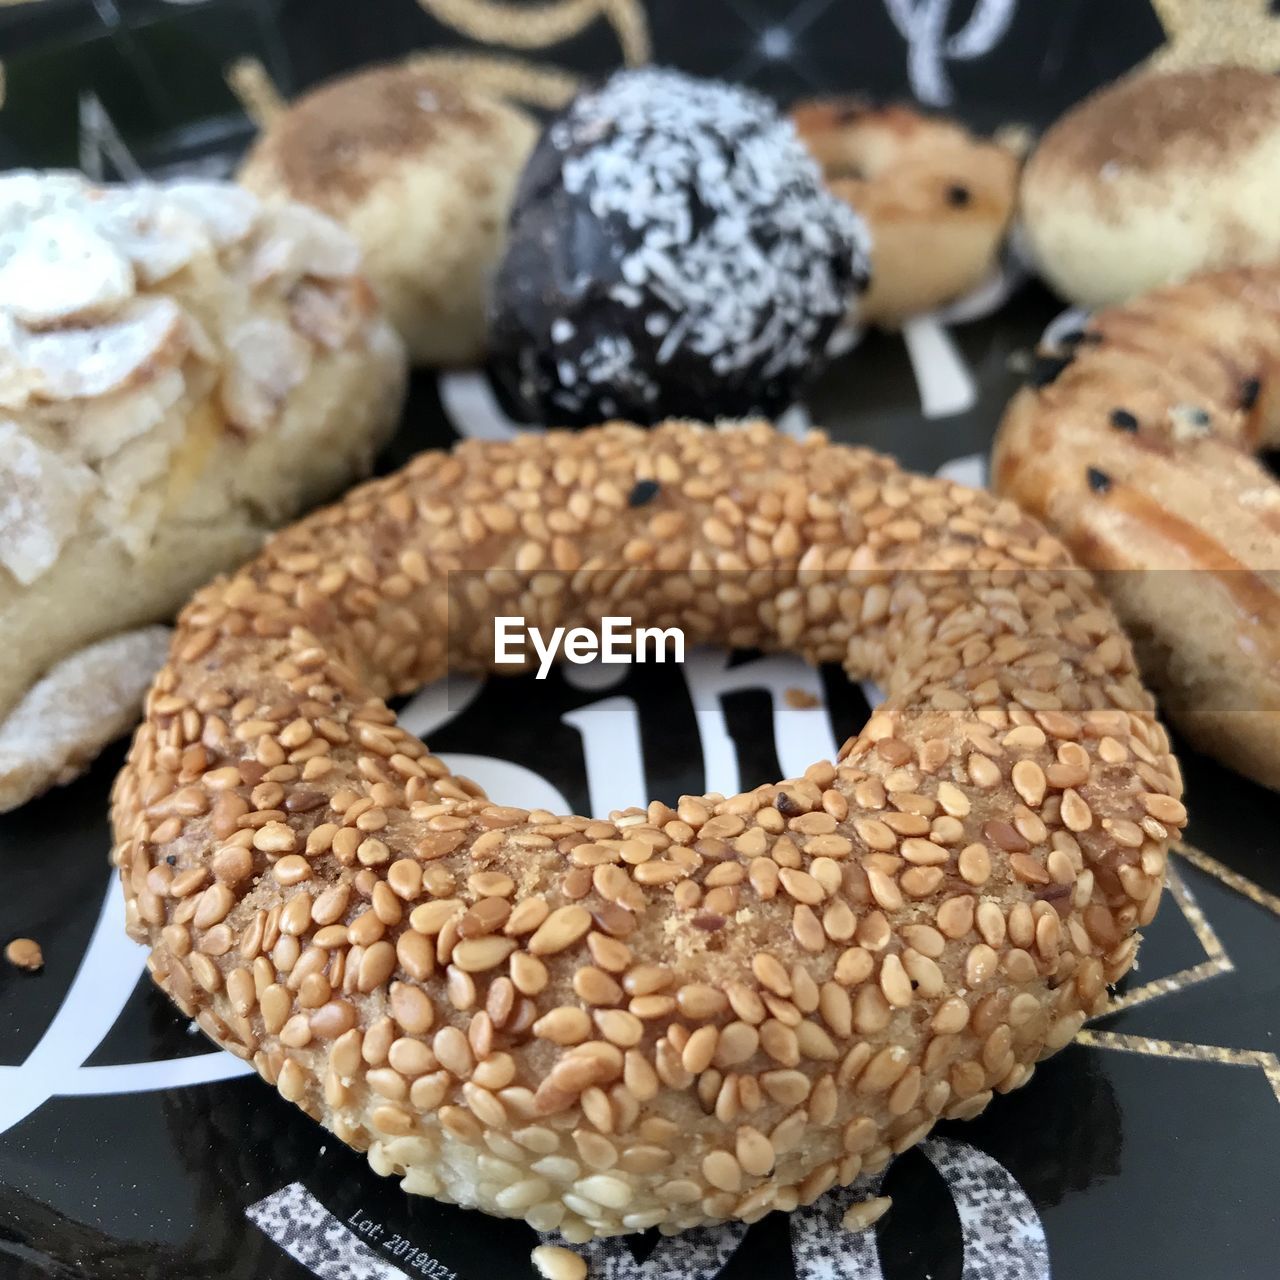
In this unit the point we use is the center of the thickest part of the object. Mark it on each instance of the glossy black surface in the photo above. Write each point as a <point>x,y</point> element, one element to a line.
<point>1151,1150</point>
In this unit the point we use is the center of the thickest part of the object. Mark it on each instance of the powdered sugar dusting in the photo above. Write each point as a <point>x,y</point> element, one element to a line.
<point>104,359</point>
<point>304,242</point>
<point>83,362</point>
<point>270,359</point>
<point>60,268</point>
<point>41,498</point>
<point>73,712</point>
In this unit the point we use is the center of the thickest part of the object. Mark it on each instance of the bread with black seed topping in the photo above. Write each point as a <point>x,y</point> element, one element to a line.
<point>1141,454</point>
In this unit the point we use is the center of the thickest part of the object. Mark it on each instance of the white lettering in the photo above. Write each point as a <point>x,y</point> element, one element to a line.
<point>672,635</point>
<point>546,652</point>
<point>617,641</point>
<point>507,630</point>
<point>923,24</point>
<point>581,645</point>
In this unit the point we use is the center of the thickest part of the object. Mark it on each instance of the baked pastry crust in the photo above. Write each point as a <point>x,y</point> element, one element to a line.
<point>82,703</point>
<point>937,199</point>
<point>676,1015</point>
<point>1153,179</point>
<point>421,171</point>
<point>181,369</point>
<point>1138,450</point>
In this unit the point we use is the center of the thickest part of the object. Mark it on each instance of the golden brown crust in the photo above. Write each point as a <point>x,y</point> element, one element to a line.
<point>937,199</point>
<point>675,1015</point>
<point>1139,453</point>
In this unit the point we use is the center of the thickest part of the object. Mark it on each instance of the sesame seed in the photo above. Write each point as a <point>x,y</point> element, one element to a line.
<point>25,953</point>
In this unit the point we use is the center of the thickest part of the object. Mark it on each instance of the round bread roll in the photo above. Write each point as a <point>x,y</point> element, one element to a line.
<point>937,199</point>
<point>1153,179</point>
<point>1137,447</point>
<point>182,369</point>
<point>681,1014</point>
<point>422,172</point>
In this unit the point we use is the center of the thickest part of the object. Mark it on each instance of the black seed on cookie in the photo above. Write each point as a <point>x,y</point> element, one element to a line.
<point>1080,338</point>
<point>786,806</point>
<point>643,491</point>
<point>1249,390</point>
<point>1053,892</point>
<point>1099,481</point>
<point>1045,368</point>
<point>172,860</point>
<point>1189,420</point>
<point>1123,420</point>
<point>958,195</point>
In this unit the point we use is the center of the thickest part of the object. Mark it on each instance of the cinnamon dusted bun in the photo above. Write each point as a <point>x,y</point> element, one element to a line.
<point>1155,178</point>
<point>421,170</point>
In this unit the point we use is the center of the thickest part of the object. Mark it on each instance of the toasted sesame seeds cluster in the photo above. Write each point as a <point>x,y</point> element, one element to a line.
<point>688,1012</point>
<point>1136,444</point>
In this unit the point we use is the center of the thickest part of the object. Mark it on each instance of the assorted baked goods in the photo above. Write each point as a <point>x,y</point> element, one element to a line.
<point>181,369</point>
<point>672,252</point>
<point>421,170</point>
<point>1137,447</point>
<point>1153,179</point>
<point>680,1014</point>
<point>937,199</point>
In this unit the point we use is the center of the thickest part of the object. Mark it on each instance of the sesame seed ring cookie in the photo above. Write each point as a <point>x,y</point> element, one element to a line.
<point>679,1014</point>
<point>1137,445</point>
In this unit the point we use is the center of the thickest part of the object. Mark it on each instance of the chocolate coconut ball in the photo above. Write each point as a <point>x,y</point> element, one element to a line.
<point>673,252</point>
